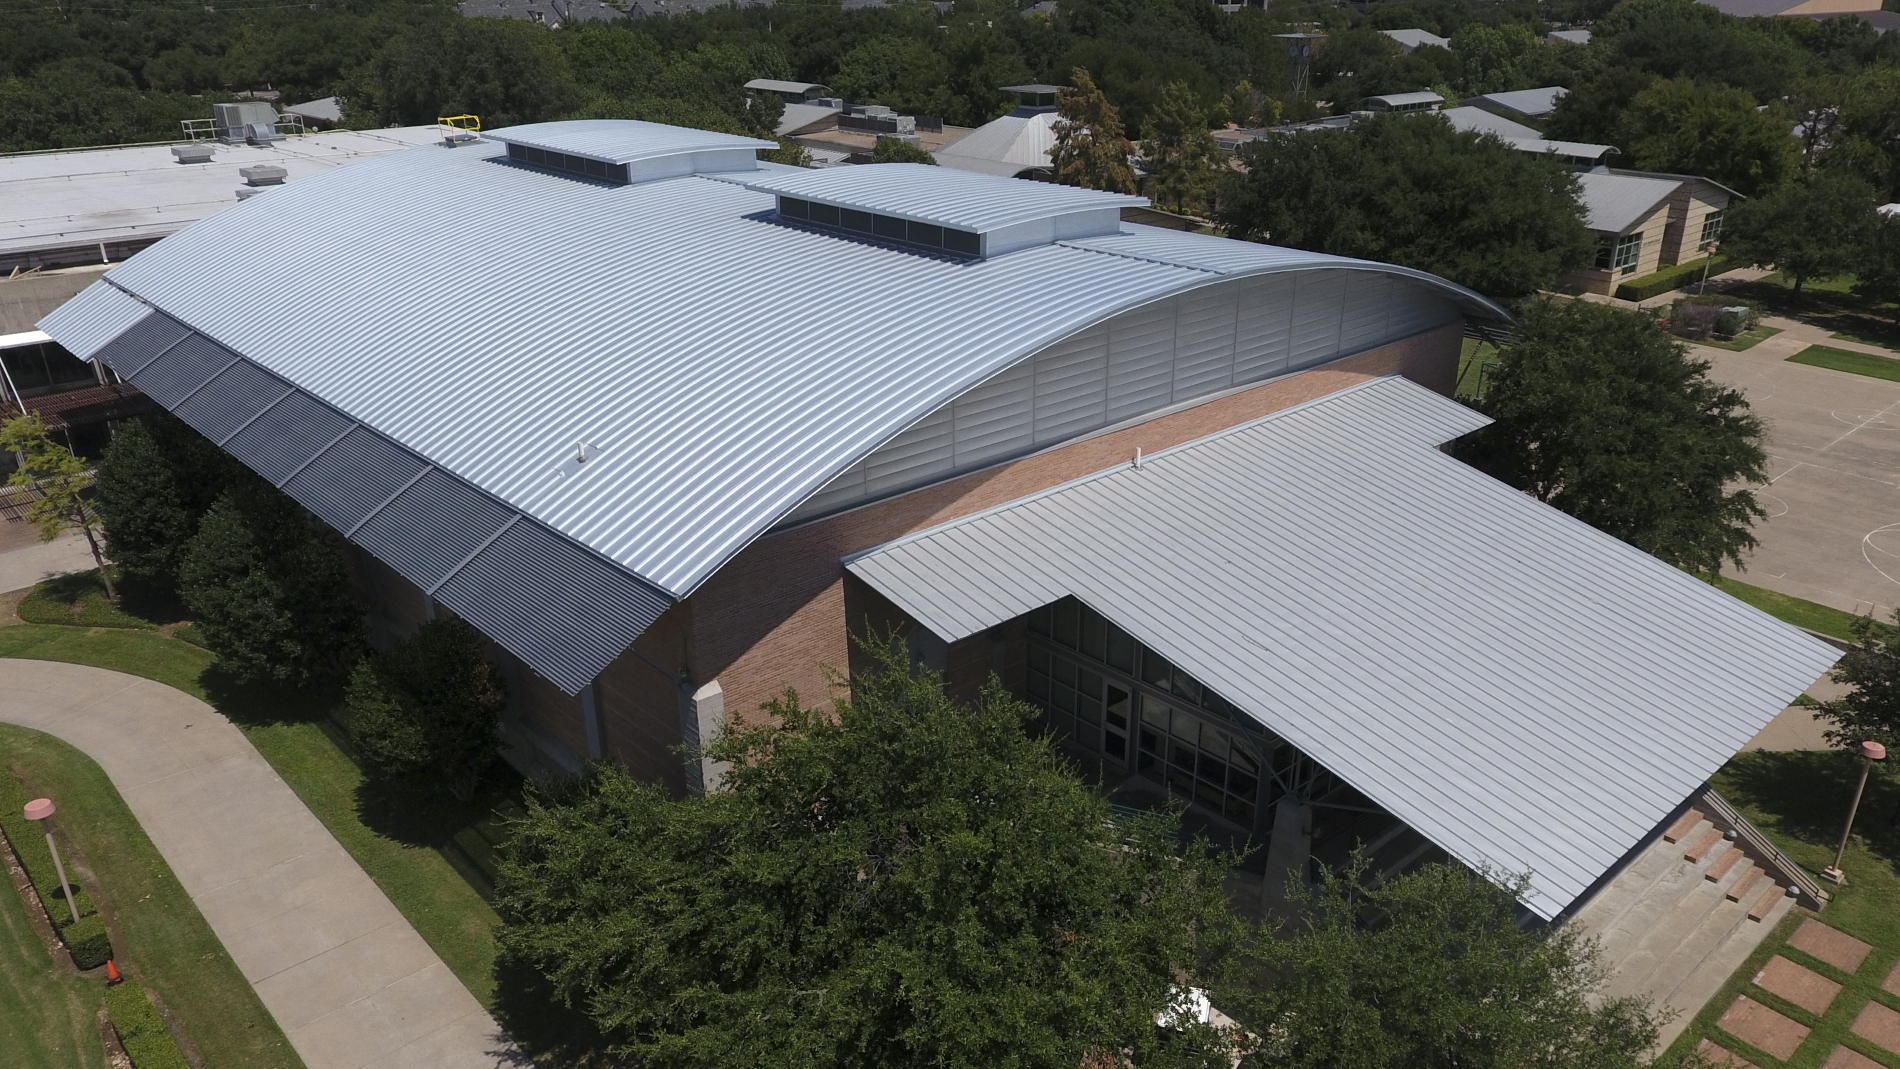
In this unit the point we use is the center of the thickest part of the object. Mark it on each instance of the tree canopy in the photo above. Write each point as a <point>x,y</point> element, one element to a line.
<point>1603,414</point>
<point>1870,710</point>
<point>1411,190</point>
<point>1813,229</point>
<point>59,481</point>
<point>428,707</point>
<point>894,881</point>
<point>1091,147</point>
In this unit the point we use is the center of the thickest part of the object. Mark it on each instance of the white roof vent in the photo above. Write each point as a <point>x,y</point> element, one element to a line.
<point>961,213</point>
<point>623,151</point>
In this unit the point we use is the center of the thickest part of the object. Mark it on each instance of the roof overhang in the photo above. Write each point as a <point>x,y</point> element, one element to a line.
<point>1527,692</point>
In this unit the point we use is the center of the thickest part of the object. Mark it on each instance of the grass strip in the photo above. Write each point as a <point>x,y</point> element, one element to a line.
<point>1744,341</point>
<point>141,1030</point>
<point>46,1013</point>
<point>79,924</point>
<point>164,940</point>
<point>1868,364</point>
<point>1797,611</point>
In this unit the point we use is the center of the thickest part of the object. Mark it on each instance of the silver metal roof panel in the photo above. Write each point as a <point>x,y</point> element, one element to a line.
<point>1468,118</point>
<point>621,140</point>
<point>1524,690</point>
<point>942,195</point>
<point>1531,102</point>
<point>93,318</point>
<point>1612,203</point>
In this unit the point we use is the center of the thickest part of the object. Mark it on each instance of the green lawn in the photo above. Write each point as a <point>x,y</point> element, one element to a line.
<point>1798,799</point>
<point>1748,339</point>
<point>1472,359</point>
<point>80,598</point>
<point>1801,613</point>
<point>164,941</point>
<point>1879,367</point>
<point>46,1015</point>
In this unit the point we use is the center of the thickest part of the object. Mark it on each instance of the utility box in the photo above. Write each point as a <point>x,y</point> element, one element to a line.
<point>196,152</point>
<point>234,122</point>
<point>263,174</point>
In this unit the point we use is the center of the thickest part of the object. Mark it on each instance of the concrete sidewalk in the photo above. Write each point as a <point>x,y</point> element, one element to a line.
<point>345,975</point>
<point>29,564</point>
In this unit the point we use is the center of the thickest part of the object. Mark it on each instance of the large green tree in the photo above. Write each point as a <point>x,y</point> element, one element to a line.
<point>1183,162</point>
<point>1091,147</point>
<point>1685,127</point>
<point>1411,190</point>
<point>1870,710</point>
<point>1814,228</point>
<point>1877,266</point>
<point>270,595</point>
<point>429,707</point>
<point>154,481</point>
<point>1431,970</point>
<point>895,881</point>
<point>1603,414</point>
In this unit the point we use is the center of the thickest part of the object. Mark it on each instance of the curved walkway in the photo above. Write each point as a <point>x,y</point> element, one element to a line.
<point>346,977</point>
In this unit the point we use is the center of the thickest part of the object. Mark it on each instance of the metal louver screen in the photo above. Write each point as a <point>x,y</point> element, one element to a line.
<point>564,610</point>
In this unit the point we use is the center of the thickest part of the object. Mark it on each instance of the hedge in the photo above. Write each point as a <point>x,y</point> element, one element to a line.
<point>141,1030</point>
<point>86,939</point>
<point>1672,278</point>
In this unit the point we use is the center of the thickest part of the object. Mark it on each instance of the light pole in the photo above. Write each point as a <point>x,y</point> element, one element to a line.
<point>1872,751</point>
<point>1709,251</point>
<point>41,809</point>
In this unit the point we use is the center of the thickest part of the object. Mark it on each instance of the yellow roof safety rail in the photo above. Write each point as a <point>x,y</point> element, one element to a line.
<point>460,129</point>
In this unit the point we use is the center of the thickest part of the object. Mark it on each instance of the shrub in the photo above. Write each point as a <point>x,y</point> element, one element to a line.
<point>141,1030</point>
<point>1695,320</point>
<point>429,707</point>
<point>87,941</point>
<point>1672,278</point>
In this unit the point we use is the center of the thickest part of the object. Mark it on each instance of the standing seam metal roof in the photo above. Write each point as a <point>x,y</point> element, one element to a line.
<point>1525,691</point>
<point>488,317</point>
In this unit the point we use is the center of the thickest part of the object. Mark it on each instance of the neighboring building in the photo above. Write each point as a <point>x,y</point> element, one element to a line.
<point>1402,103</point>
<point>790,92</point>
<point>1569,37</point>
<point>91,206</point>
<point>1530,103</point>
<point>553,14</point>
<point>1184,494</point>
<point>1749,9</point>
<point>78,401</point>
<point>1578,154</point>
<point>1644,221</point>
<point>1017,144</point>
<point>321,113</point>
<point>853,129</point>
<point>1412,40</point>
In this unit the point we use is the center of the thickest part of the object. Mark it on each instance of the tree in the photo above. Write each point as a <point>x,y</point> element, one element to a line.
<point>1604,415</point>
<point>894,150</point>
<point>1685,127</point>
<point>429,707</point>
<point>61,480</point>
<point>1593,111</point>
<point>155,480</point>
<point>1811,229</point>
<point>270,597</point>
<point>1184,163</point>
<point>1443,977</point>
<point>897,881</point>
<point>1877,267</point>
<point>1409,189</point>
<point>1491,55</point>
<point>1871,670</point>
<point>1091,149</point>
<point>903,74</point>
<point>1867,144</point>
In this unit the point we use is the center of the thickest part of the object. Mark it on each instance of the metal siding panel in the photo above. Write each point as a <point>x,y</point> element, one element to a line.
<point>141,342</point>
<point>431,527</point>
<point>1071,385</point>
<point>1368,308</point>
<point>189,365</point>
<point>284,438</point>
<point>916,456</point>
<point>1264,327</point>
<point>1416,310</point>
<point>93,317</point>
<point>554,605</point>
<point>1204,339</point>
<point>231,399</point>
<point>352,477</point>
<point>1337,536</point>
<point>1140,360</point>
<point>996,419</point>
<point>846,488</point>
<point>1319,299</point>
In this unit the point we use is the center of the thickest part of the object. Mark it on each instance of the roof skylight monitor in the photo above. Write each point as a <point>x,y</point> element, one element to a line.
<point>960,213</point>
<point>625,151</point>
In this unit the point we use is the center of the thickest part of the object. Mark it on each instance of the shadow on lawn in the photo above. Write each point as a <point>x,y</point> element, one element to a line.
<point>1806,792</point>
<point>1832,310</point>
<point>526,1009</point>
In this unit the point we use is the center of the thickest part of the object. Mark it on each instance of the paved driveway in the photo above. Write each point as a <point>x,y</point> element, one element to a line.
<point>1833,532</point>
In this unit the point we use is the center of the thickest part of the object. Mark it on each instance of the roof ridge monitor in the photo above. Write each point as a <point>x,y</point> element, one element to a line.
<point>626,151</point>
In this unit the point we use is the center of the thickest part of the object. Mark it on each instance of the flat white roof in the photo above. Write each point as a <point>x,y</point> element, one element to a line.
<point>1531,102</point>
<point>63,200</point>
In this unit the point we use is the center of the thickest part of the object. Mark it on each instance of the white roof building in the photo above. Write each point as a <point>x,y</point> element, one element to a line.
<point>1415,39</point>
<point>1018,142</point>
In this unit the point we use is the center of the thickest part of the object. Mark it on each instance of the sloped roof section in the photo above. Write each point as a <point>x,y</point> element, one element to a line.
<point>488,318</point>
<point>1615,202</point>
<point>928,194</point>
<point>1531,102</point>
<point>1004,147</point>
<point>1524,690</point>
<point>621,140</point>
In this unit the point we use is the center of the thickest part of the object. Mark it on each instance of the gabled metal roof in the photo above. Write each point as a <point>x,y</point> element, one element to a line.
<point>1004,146</point>
<point>1531,102</point>
<point>1468,118</point>
<point>486,318</point>
<point>941,195</point>
<point>1524,690</point>
<point>1612,203</point>
<point>621,140</point>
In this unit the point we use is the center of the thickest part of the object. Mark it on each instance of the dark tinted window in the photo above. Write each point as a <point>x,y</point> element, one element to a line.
<point>885,226</point>
<point>852,219</point>
<point>827,214</point>
<point>962,241</point>
<point>926,234</point>
<point>793,208</point>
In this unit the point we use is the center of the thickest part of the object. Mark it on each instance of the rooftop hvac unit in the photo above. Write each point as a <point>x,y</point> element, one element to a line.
<point>237,122</point>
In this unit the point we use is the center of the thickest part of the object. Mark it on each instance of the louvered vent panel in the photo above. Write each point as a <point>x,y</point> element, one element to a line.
<point>1140,360</point>
<point>1368,309</point>
<point>352,477</point>
<point>996,419</point>
<point>140,343</point>
<point>1263,335</point>
<point>1071,385</point>
<point>1318,303</point>
<point>288,435</point>
<point>915,456</point>
<point>431,527</point>
<point>230,400</point>
<point>530,589</point>
<point>1204,340</point>
<point>185,368</point>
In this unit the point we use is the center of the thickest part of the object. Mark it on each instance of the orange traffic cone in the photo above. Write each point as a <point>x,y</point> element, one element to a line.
<point>112,973</point>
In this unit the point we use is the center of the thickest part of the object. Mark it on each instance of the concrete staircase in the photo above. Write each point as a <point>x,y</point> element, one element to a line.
<point>1685,911</point>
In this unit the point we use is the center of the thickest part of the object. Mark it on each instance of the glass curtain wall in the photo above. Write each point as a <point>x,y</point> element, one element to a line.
<point>1127,706</point>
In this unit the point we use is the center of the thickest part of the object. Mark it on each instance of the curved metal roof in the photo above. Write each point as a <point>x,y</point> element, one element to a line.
<point>487,318</point>
<point>621,140</point>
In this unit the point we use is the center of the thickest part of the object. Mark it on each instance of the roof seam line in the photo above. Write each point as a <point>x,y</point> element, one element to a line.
<point>393,495</point>
<point>486,542</point>
<point>254,419</point>
<point>1140,259</point>
<point>141,368</point>
<point>193,392</point>
<point>313,457</point>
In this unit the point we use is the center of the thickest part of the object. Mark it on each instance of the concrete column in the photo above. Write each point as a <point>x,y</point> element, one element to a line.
<point>590,718</point>
<point>702,723</point>
<point>1287,853</point>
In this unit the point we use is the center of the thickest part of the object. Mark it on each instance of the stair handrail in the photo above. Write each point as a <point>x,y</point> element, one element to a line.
<point>1810,889</point>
